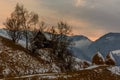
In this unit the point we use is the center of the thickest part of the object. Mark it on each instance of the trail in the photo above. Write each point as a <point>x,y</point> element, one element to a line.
<point>36,75</point>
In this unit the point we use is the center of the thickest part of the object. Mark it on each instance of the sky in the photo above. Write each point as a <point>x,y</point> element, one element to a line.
<point>92,18</point>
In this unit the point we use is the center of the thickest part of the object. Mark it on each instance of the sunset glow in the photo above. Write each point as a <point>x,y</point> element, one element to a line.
<point>91,18</point>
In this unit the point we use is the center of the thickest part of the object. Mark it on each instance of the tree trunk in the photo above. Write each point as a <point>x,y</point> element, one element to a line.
<point>26,33</point>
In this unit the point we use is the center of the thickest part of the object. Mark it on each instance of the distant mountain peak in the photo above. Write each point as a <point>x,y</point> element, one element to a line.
<point>111,34</point>
<point>78,37</point>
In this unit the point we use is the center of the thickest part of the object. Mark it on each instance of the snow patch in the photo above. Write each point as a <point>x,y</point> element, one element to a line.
<point>92,67</point>
<point>6,71</point>
<point>100,55</point>
<point>111,56</point>
<point>116,52</point>
<point>114,70</point>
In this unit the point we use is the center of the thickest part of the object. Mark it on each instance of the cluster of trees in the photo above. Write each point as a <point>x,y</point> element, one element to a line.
<point>98,59</point>
<point>22,21</point>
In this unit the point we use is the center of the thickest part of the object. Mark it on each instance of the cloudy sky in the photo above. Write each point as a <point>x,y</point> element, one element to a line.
<point>92,18</point>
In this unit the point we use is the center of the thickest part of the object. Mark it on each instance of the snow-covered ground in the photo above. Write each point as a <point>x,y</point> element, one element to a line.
<point>92,67</point>
<point>24,58</point>
<point>40,76</point>
<point>114,70</point>
<point>46,56</point>
<point>116,52</point>
<point>15,61</point>
<point>116,56</point>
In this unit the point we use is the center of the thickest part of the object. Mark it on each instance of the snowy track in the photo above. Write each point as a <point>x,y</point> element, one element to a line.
<point>46,75</point>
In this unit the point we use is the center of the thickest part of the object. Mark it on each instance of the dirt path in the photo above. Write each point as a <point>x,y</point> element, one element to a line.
<point>36,75</point>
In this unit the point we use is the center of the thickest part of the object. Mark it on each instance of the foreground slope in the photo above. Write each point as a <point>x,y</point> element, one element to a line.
<point>79,43</point>
<point>98,73</point>
<point>91,73</point>
<point>16,60</point>
<point>79,46</point>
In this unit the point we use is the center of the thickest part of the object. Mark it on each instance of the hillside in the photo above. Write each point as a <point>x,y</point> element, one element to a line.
<point>17,61</point>
<point>79,43</point>
<point>79,46</point>
<point>106,43</point>
<point>83,48</point>
<point>95,73</point>
<point>91,73</point>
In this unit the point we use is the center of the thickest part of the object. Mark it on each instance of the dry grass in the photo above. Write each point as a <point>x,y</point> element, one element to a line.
<point>99,73</point>
<point>14,47</point>
<point>11,44</point>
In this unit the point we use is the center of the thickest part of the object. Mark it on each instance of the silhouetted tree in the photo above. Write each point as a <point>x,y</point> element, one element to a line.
<point>62,40</point>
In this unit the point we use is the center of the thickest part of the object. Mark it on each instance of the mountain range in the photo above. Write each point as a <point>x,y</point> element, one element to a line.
<point>85,48</point>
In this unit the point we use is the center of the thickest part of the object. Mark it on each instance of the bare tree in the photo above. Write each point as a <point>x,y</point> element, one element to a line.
<point>42,26</point>
<point>21,19</point>
<point>60,43</point>
<point>29,21</point>
<point>13,24</point>
<point>63,42</point>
